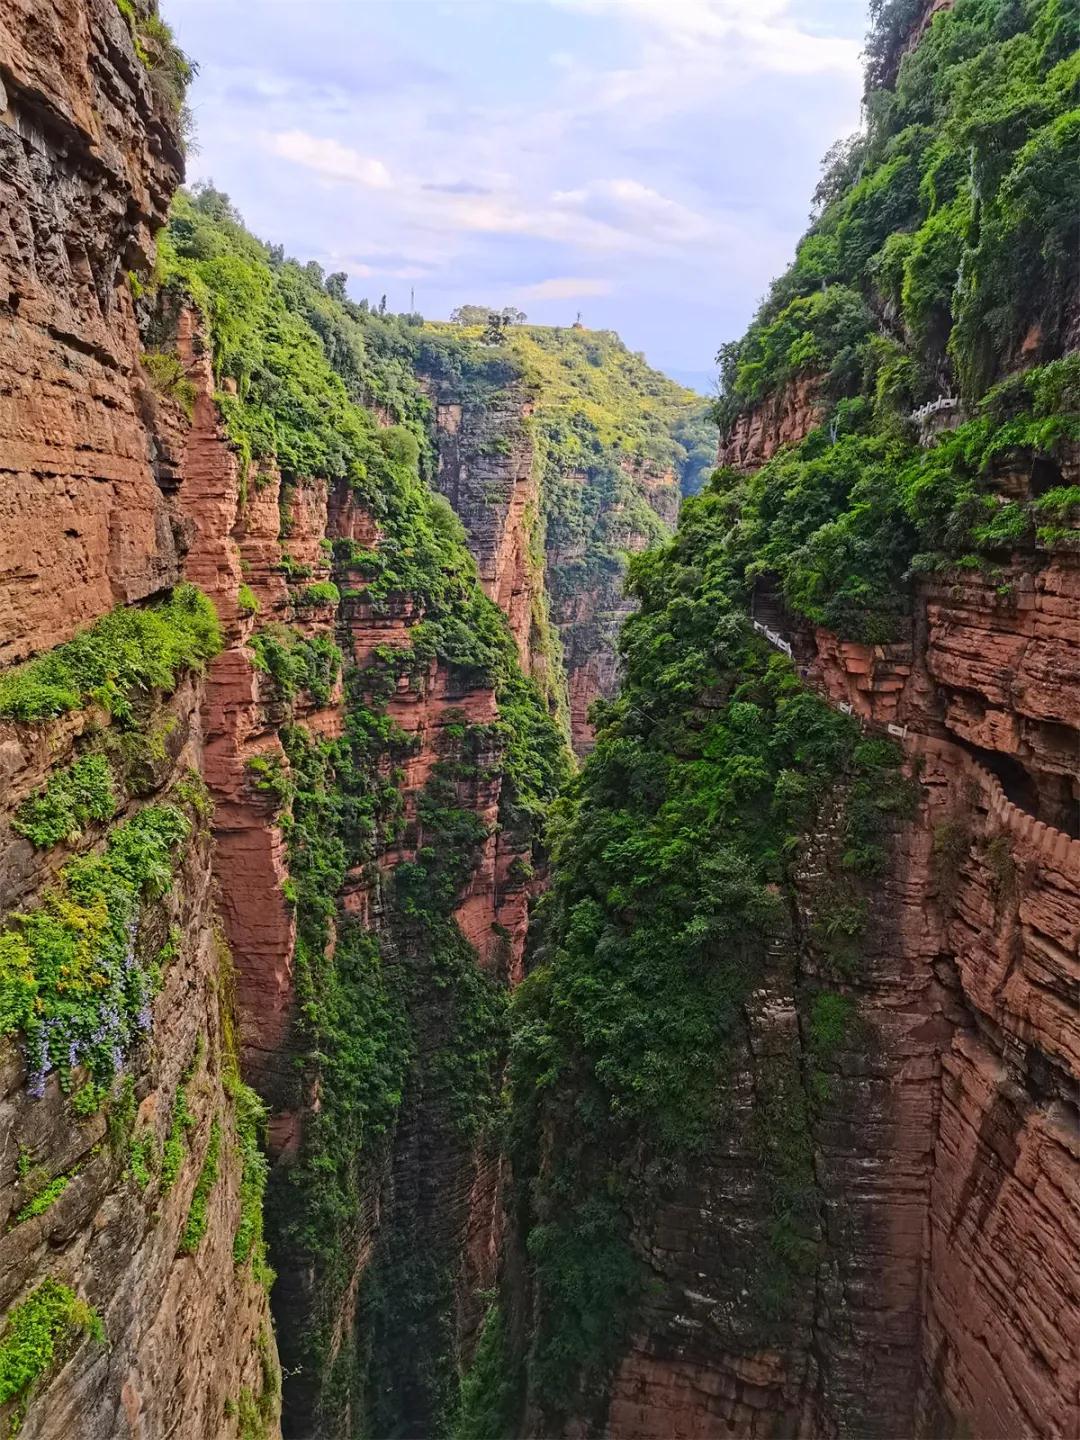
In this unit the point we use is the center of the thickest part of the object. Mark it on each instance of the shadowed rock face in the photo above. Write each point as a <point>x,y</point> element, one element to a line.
<point>88,162</point>
<point>88,519</point>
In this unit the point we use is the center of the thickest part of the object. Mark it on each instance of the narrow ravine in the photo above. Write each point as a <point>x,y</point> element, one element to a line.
<point>511,929</point>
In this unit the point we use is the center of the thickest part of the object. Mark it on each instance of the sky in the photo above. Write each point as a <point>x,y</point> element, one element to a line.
<point>648,163</point>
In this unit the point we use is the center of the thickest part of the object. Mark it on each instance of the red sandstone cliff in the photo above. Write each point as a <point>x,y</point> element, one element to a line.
<point>242,528</point>
<point>783,418</point>
<point>565,613</point>
<point>947,1154</point>
<point>589,604</point>
<point>88,161</point>
<point>487,472</point>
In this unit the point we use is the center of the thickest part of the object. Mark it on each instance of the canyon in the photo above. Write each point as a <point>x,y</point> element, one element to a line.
<point>353,1086</point>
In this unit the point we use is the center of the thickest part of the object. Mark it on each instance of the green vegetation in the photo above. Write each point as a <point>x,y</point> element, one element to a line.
<point>608,431</point>
<point>247,601</point>
<point>37,1189</point>
<point>124,653</point>
<point>324,592</point>
<point>250,1120</point>
<point>953,207</point>
<point>41,1331</point>
<point>306,364</point>
<point>168,377</point>
<point>181,1122</point>
<point>844,522</point>
<point>169,69</point>
<point>73,974</point>
<point>143,1159</point>
<point>249,1116</point>
<point>256,1413</point>
<point>296,662</point>
<point>45,1197</point>
<point>304,361</point>
<point>936,263</point>
<point>198,1218</point>
<point>673,872</point>
<point>88,1099</point>
<point>74,796</point>
<point>489,1389</point>
<point>686,870</point>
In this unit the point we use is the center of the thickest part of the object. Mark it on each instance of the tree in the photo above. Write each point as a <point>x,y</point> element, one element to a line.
<point>497,326</point>
<point>336,283</point>
<point>482,315</point>
<point>470,315</point>
<point>839,171</point>
<point>215,203</point>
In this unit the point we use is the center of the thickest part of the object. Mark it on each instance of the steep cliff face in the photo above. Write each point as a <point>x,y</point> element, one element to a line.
<point>378,765</point>
<point>487,470</point>
<point>310,867</point>
<point>796,1073</point>
<point>793,1077</point>
<point>785,418</point>
<point>902,1069</point>
<point>134,1278</point>
<point>563,454</point>
<point>90,159</point>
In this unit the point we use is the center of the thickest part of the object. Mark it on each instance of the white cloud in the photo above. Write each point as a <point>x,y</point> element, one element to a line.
<point>564,287</point>
<point>638,209</point>
<point>763,30</point>
<point>667,145</point>
<point>329,158</point>
<point>607,214</point>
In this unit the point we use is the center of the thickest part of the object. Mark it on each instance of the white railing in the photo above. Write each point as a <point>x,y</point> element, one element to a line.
<point>773,637</point>
<point>935,407</point>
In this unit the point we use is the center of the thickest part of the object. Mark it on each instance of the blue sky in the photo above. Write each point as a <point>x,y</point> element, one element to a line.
<point>647,162</point>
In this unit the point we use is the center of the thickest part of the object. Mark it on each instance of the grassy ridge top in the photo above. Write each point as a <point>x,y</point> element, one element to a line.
<point>591,376</point>
<point>590,384</point>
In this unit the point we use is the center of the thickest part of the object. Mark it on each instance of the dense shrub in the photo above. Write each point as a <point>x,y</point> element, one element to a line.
<point>72,797</point>
<point>672,868</point>
<point>41,1332</point>
<point>955,208</point>
<point>75,977</point>
<point>125,652</point>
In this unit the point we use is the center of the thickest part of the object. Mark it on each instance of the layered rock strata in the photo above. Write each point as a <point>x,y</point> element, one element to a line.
<point>565,610</point>
<point>185,1333</point>
<point>426,1188</point>
<point>88,161</point>
<point>947,1153</point>
<point>89,157</point>
<point>487,471</point>
<point>589,602</point>
<point>782,418</point>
